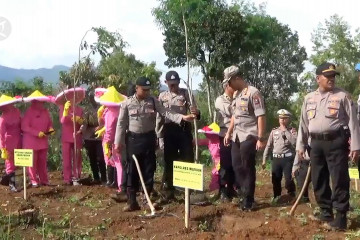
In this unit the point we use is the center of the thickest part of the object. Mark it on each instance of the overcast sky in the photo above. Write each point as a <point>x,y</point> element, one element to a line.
<point>45,33</point>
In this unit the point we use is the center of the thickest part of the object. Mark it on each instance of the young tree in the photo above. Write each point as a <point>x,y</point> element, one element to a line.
<point>215,31</point>
<point>335,41</point>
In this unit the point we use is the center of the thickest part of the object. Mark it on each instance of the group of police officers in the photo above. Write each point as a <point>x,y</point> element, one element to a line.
<point>328,135</point>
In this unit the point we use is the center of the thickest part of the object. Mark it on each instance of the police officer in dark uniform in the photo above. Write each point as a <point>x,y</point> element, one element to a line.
<point>328,117</point>
<point>137,123</point>
<point>177,139</point>
<point>281,144</point>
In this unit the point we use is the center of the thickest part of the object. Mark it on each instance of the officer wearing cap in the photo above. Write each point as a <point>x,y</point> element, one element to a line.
<point>223,107</point>
<point>247,131</point>
<point>328,117</point>
<point>177,139</point>
<point>281,144</point>
<point>137,119</point>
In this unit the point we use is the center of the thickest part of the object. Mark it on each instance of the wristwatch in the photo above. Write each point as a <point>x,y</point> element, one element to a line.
<point>261,139</point>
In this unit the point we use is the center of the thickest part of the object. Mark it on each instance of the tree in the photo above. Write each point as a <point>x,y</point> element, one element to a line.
<point>221,35</point>
<point>124,68</point>
<point>334,42</point>
<point>274,60</point>
<point>215,33</point>
<point>85,73</point>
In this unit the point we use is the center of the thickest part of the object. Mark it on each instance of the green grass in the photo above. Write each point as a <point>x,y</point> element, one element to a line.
<point>318,237</point>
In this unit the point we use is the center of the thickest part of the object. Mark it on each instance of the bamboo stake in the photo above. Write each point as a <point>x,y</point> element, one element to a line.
<point>189,84</point>
<point>76,80</point>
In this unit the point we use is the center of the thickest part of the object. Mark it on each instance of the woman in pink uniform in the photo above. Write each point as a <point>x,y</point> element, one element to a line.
<point>10,137</point>
<point>72,161</point>
<point>112,100</point>
<point>212,141</point>
<point>70,113</point>
<point>36,126</point>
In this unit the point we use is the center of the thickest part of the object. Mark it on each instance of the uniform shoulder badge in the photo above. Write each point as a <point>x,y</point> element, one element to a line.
<point>257,98</point>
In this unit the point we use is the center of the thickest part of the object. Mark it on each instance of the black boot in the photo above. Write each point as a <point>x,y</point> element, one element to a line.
<point>119,196</point>
<point>224,196</point>
<point>339,223</point>
<point>5,179</point>
<point>326,215</point>
<point>132,204</point>
<point>231,191</point>
<point>110,175</point>
<point>114,183</point>
<point>12,183</point>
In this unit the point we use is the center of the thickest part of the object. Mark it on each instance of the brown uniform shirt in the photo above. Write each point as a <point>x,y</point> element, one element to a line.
<point>139,116</point>
<point>223,113</point>
<point>278,145</point>
<point>177,102</point>
<point>327,112</point>
<point>247,106</point>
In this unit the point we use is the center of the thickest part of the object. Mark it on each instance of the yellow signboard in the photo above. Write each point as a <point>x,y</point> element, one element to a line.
<point>188,175</point>
<point>354,173</point>
<point>23,157</point>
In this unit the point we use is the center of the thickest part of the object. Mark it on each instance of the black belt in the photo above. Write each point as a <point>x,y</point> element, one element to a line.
<point>183,126</point>
<point>133,134</point>
<point>328,136</point>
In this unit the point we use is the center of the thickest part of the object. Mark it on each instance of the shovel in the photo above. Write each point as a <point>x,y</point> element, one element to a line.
<point>307,179</point>
<point>152,208</point>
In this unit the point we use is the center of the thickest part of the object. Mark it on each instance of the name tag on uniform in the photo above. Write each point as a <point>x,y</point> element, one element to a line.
<point>149,110</point>
<point>133,111</point>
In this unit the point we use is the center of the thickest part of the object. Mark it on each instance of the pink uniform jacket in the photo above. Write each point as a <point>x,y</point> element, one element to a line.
<point>110,116</point>
<point>35,120</point>
<point>213,143</point>
<point>67,133</point>
<point>10,127</point>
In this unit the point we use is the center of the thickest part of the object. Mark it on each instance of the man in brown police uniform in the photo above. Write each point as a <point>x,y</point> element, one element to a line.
<point>281,144</point>
<point>177,139</point>
<point>223,107</point>
<point>247,130</point>
<point>137,117</point>
<point>328,117</point>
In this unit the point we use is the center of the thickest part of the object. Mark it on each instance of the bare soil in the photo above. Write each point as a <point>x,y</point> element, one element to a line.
<point>88,213</point>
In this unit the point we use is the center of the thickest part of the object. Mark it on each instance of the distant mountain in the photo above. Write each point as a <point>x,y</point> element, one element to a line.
<point>48,74</point>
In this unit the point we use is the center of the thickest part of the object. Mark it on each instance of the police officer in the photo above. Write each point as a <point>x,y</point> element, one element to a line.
<point>281,144</point>
<point>177,139</point>
<point>247,129</point>
<point>137,122</point>
<point>299,172</point>
<point>223,107</point>
<point>328,117</point>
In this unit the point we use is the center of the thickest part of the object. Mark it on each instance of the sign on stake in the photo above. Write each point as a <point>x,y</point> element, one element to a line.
<point>24,158</point>
<point>188,176</point>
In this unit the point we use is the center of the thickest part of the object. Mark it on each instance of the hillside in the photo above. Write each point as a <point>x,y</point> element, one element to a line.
<point>49,74</point>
